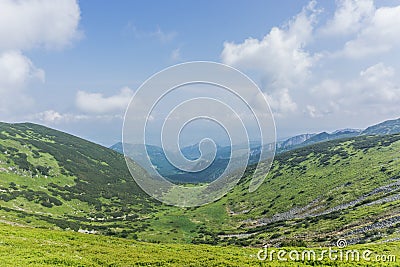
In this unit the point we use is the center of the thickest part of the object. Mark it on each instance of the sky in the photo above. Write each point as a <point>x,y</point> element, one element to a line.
<point>322,65</point>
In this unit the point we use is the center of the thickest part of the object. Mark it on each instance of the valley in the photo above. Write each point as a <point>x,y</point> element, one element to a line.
<point>344,188</point>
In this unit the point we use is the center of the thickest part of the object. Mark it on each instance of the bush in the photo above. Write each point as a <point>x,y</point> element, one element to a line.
<point>46,204</point>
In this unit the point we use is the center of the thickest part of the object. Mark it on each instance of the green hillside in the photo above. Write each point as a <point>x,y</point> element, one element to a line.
<point>49,178</point>
<point>23,246</point>
<point>346,188</point>
<point>386,127</point>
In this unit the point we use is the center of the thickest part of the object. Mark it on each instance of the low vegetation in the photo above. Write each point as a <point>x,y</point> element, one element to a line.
<point>346,188</point>
<point>22,246</point>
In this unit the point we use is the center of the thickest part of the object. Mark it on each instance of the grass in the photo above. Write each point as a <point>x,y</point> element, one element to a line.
<point>22,246</point>
<point>331,174</point>
<point>80,185</point>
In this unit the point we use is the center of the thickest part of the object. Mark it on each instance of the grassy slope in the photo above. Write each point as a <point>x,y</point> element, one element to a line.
<point>68,182</point>
<point>340,179</point>
<point>21,246</point>
<point>52,178</point>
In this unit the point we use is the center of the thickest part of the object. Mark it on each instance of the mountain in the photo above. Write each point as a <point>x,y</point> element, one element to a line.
<point>118,147</point>
<point>293,142</point>
<point>156,155</point>
<point>348,131</point>
<point>308,139</point>
<point>52,178</point>
<point>386,127</point>
<point>324,136</point>
<point>167,170</point>
<point>344,188</point>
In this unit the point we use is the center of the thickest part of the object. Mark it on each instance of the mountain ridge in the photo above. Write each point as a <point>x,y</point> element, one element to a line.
<point>192,152</point>
<point>319,191</point>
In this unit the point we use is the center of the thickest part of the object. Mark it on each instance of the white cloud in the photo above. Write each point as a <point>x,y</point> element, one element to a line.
<point>313,112</point>
<point>381,34</point>
<point>53,117</point>
<point>327,87</point>
<point>323,67</point>
<point>281,103</point>
<point>16,70</point>
<point>375,86</point>
<point>374,90</point>
<point>176,54</point>
<point>350,16</point>
<point>363,29</point>
<point>97,103</point>
<point>280,56</point>
<point>371,32</point>
<point>163,36</point>
<point>50,116</point>
<point>159,34</point>
<point>26,24</point>
<point>377,73</point>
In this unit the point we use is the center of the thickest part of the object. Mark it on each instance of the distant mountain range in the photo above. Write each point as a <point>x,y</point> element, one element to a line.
<point>383,128</point>
<point>386,127</point>
<point>313,195</point>
<point>167,170</point>
<point>293,141</point>
<point>308,139</point>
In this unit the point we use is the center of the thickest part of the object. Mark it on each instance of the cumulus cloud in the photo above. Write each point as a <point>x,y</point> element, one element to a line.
<point>16,72</point>
<point>327,71</point>
<point>375,89</point>
<point>379,35</point>
<point>54,117</point>
<point>375,86</point>
<point>377,73</point>
<point>280,55</point>
<point>97,103</point>
<point>371,32</point>
<point>328,87</point>
<point>281,102</point>
<point>313,112</point>
<point>280,58</point>
<point>350,16</point>
<point>26,24</point>
<point>50,116</point>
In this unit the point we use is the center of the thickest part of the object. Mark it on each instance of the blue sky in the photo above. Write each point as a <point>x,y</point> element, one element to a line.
<point>322,65</point>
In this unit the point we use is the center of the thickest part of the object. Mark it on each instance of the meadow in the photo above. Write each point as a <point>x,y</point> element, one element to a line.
<point>24,246</point>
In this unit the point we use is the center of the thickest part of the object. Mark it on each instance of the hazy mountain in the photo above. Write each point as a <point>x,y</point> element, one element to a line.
<point>167,170</point>
<point>223,152</point>
<point>293,141</point>
<point>386,127</point>
<point>324,136</point>
<point>53,179</point>
<point>156,155</point>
